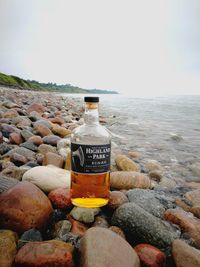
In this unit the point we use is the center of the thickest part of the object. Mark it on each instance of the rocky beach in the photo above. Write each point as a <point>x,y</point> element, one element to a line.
<point>152,218</point>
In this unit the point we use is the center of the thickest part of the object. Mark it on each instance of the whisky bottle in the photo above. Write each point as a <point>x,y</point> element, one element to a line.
<point>90,159</point>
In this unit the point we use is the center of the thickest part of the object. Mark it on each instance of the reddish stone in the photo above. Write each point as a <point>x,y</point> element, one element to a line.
<point>116,199</point>
<point>24,206</point>
<point>42,130</point>
<point>47,253</point>
<point>77,227</point>
<point>60,198</point>
<point>35,107</point>
<point>57,113</point>
<point>36,140</point>
<point>150,256</point>
<point>57,120</point>
<point>187,222</point>
<point>15,138</point>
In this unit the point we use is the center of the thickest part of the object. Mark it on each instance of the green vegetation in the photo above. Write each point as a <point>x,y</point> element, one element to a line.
<point>16,82</point>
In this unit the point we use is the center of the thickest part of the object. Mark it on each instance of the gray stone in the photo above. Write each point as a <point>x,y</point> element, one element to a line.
<point>27,236</point>
<point>143,226</point>
<point>43,123</point>
<point>86,215</point>
<point>28,154</point>
<point>4,148</point>
<point>147,200</point>
<point>61,228</point>
<point>51,139</point>
<point>29,145</point>
<point>26,134</point>
<point>43,149</point>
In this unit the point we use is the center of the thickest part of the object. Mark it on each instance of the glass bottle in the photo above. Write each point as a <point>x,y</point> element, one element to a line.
<point>90,159</point>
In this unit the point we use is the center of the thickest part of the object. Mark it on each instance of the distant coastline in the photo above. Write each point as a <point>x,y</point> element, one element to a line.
<point>15,82</point>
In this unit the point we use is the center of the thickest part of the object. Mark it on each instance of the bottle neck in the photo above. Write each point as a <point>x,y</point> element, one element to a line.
<point>91,115</point>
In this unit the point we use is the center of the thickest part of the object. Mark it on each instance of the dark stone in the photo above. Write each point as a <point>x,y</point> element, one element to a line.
<point>30,235</point>
<point>4,148</point>
<point>30,146</point>
<point>31,164</point>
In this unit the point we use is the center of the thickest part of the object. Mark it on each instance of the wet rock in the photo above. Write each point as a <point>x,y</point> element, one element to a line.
<point>7,129</point>
<point>129,180</point>
<point>53,159</point>
<point>36,140</point>
<point>126,164</point>
<point>15,138</point>
<point>117,231</point>
<point>101,247</point>
<point>150,256</point>
<point>29,145</point>
<point>60,198</point>
<point>35,107</point>
<point>27,236</point>
<point>61,131</point>
<point>26,134</point>
<point>61,228</point>
<point>8,248</point>
<point>153,165</point>
<point>18,159</point>
<point>147,200</point>
<point>42,130</point>
<point>185,255</point>
<point>51,140</point>
<point>85,215</point>
<point>24,206</point>
<point>28,154</point>
<point>48,178</point>
<point>187,222</point>
<point>46,253</point>
<point>140,224</point>
<point>43,149</point>
<point>116,199</point>
<point>100,222</point>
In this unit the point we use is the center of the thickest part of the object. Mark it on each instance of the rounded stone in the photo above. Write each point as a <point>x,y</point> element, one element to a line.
<point>60,198</point>
<point>116,199</point>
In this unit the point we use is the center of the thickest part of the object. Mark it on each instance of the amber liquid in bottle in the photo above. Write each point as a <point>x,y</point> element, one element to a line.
<point>90,148</point>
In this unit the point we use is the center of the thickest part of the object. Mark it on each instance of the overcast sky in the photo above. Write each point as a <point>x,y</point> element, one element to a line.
<point>145,47</point>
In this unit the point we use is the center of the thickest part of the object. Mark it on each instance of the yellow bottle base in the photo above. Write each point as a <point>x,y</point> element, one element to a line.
<point>89,202</point>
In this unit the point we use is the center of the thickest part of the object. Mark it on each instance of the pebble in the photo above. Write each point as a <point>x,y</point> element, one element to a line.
<point>10,114</point>
<point>126,164</point>
<point>61,228</point>
<point>29,145</point>
<point>156,175</point>
<point>53,159</point>
<point>36,140</point>
<point>48,178</point>
<point>117,231</point>
<point>7,129</point>
<point>102,246</point>
<point>78,228</point>
<point>194,197</point>
<point>185,255</point>
<point>152,165</point>
<point>46,253</point>
<point>61,131</point>
<point>57,120</point>
<point>51,140</point>
<point>34,116</point>
<point>60,198</point>
<point>42,130</point>
<point>8,248</point>
<point>43,122</point>
<point>26,134</point>
<point>24,206</point>
<point>195,168</point>
<point>100,222</point>
<point>129,180</point>
<point>134,154</point>
<point>4,148</point>
<point>27,236</point>
<point>1,137</point>
<point>140,224</point>
<point>35,107</point>
<point>43,149</point>
<point>147,200</point>
<point>187,222</point>
<point>15,138</point>
<point>18,159</point>
<point>116,199</point>
<point>86,215</point>
<point>150,256</point>
<point>28,154</point>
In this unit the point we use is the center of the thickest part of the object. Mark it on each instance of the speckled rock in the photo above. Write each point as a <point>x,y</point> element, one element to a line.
<point>46,253</point>
<point>60,198</point>
<point>8,248</point>
<point>61,228</point>
<point>137,222</point>
<point>48,177</point>
<point>101,247</point>
<point>185,255</point>
<point>85,215</point>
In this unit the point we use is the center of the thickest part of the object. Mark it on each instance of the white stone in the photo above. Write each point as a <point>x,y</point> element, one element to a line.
<point>48,178</point>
